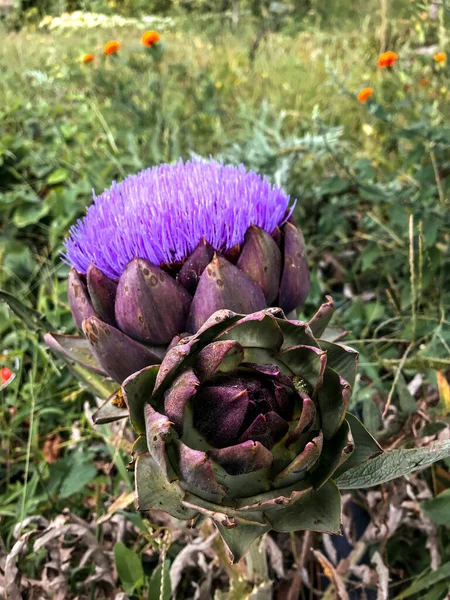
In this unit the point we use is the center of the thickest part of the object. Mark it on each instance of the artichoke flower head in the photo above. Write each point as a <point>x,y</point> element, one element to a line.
<point>157,254</point>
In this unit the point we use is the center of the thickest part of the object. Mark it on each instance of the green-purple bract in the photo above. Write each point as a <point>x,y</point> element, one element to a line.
<point>162,213</point>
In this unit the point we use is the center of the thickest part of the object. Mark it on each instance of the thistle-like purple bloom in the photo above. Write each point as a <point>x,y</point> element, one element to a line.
<point>156,255</point>
<point>162,213</point>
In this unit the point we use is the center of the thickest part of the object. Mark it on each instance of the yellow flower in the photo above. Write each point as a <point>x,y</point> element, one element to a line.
<point>440,57</point>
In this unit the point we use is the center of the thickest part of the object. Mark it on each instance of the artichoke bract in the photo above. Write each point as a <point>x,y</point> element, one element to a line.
<point>245,422</point>
<point>157,254</point>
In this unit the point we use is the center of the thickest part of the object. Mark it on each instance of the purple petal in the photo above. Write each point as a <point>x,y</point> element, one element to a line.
<point>219,414</point>
<point>102,291</point>
<point>150,305</point>
<point>243,458</point>
<point>79,301</point>
<point>260,259</point>
<point>116,353</point>
<point>294,286</point>
<point>222,285</point>
<point>267,429</point>
<point>194,266</point>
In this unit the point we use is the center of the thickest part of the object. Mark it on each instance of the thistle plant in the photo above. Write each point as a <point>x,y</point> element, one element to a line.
<point>157,254</point>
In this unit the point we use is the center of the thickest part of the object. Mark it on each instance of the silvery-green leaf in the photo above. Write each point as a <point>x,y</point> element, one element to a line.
<point>153,490</point>
<point>366,446</point>
<point>320,510</point>
<point>241,536</point>
<point>392,464</point>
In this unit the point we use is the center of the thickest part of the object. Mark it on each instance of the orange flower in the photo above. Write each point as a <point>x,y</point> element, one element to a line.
<point>149,38</point>
<point>111,47</point>
<point>425,81</point>
<point>364,94</point>
<point>440,57</point>
<point>87,58</point>
<point>387,59</point>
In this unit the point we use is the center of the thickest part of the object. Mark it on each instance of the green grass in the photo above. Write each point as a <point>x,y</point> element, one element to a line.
<point>372,183</point>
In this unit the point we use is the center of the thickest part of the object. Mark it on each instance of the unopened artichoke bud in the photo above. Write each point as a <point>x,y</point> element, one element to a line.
<point>245,422</point>
<point>156,255</point>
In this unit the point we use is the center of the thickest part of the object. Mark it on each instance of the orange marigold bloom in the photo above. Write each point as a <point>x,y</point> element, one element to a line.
<point>87,58</point>
<point>365,94</point>
<point>111,47</point>
<point>387,59</point>
<point>149,38</point>
<point>425,81</point>
<point>440,57</point>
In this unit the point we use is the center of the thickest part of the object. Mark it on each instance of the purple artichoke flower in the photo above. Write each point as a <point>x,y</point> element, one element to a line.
<point>157,254</point>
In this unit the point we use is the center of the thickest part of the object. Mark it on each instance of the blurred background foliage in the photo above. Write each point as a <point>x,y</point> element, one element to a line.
<point>273,85</point>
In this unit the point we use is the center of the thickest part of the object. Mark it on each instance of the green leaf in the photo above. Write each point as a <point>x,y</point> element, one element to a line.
<point>154,589</point>
<point>333,399</point>
<point>371,413</point>
<point>335,452</point>
<point>29,213</point>
<point>72,473</point>
<point>73,348</point>
<point>58,176</point>
<point>98,385</point>
<point>129,568</point>
<point>320,510</point>
<point>137,390</point>
<point>365,445</point>
<point>31,318</point>
<point>240,537</point>
<point>406,400</point>
<point>389,465</point>
<point>438,508</point>
<point>154,490</point>
<point>426,581</point>
<point>342,359</point>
